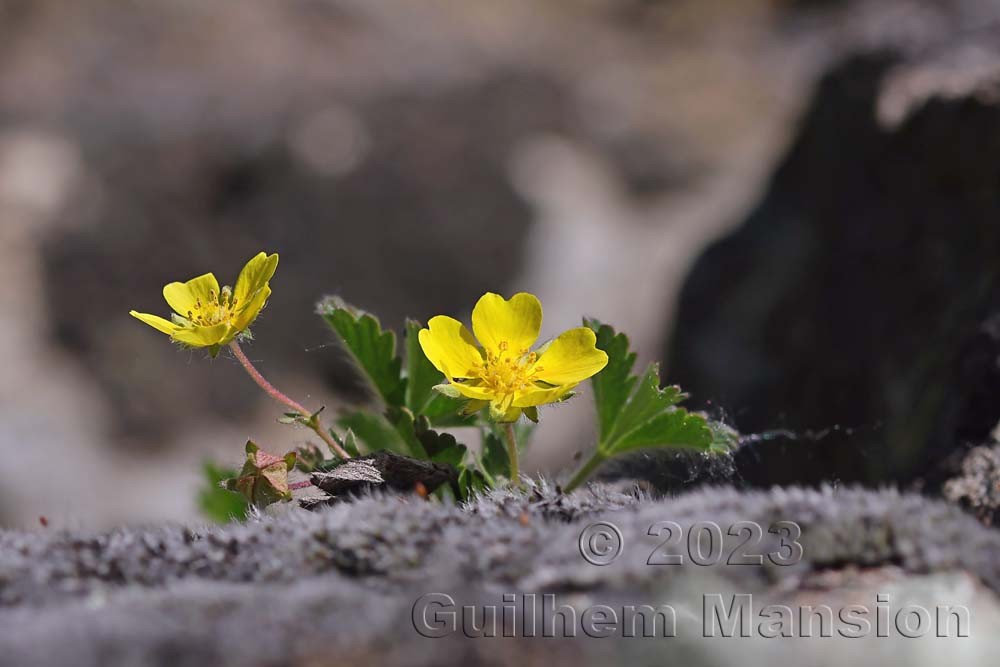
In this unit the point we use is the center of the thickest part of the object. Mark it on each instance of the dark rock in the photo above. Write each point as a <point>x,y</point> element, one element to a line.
<point>383,470</point>
<point>848,319</point>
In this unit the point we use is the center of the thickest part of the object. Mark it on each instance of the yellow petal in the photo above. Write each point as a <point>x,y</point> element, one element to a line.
<point>245,315</point>
<point>476,392</point>
<point>571,358</point>
<point>450,347</point>
<point>220,334</point>
<point>158,323</point>
<point>515,322</point>
<point>531,397</point>
<point>254,277</point>
<point>184,297</point>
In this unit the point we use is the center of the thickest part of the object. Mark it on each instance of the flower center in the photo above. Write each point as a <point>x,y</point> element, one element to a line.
<point>505,373</point>
<point>218,309</point>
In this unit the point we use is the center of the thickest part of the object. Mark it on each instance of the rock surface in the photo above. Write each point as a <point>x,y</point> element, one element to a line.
<point>340,585</point>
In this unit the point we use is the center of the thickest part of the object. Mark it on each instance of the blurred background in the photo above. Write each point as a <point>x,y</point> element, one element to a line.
<point>411,156</point>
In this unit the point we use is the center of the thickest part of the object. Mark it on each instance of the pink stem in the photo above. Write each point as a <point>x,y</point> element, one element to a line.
<point>273,392</point>
<point>262,382</point>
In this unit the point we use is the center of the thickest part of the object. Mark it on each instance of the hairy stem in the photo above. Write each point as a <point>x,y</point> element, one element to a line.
<point>586,471</point>
<point>277,395</point>
<point>515,473</point>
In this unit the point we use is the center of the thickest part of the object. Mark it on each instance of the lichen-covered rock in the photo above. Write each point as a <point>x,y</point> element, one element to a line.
<point>978,486</point>
<point>341,584</point>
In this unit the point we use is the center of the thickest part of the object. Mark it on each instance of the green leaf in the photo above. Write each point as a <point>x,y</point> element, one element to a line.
<point>375,431</point>
<point>442,412</point>
<point>301,419</point>
<point>470,481</point>
<point>495,460</point>
<point>440,447</point>
<point>309,458</point>
<point>725,439</point>
<point>647,401</point>
<point>636,412</point>
<point>349,442</point>
<point>675,428</point>
<point>214,501</point>
<point>372,349</point>
<point>612,385</point>
<point>405,424</point>
<point>394,430</point>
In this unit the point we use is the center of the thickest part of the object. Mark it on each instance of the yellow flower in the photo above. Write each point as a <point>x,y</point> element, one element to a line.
<point>500,369</point>
<point>206,316</point>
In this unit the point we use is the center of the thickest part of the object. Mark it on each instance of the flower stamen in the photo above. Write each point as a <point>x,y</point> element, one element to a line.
<point>506,375</point>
